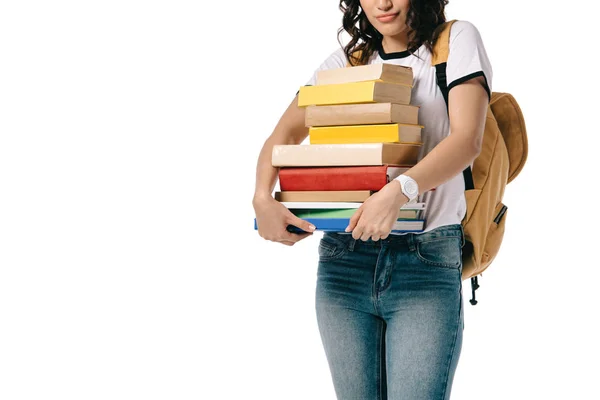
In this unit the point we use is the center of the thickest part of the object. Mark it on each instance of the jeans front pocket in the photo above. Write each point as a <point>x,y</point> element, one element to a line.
<point>443,251</point>
<point>332,246</point>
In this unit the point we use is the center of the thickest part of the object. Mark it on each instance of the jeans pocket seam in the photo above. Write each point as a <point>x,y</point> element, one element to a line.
<point>433,263</point>
<point>335,251</point>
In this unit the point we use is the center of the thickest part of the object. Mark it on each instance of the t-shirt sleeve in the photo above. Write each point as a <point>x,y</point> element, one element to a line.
<point>468,58</point>
<point>337,59</point>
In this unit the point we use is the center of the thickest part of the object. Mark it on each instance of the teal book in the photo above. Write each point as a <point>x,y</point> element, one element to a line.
<point>342,213</point>
<point>340,224</point>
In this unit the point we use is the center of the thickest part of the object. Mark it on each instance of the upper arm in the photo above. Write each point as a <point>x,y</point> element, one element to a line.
<point>469,76</point>
<point>467,110</point>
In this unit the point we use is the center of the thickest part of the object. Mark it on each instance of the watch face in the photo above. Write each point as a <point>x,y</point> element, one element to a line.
<point>411,187</point>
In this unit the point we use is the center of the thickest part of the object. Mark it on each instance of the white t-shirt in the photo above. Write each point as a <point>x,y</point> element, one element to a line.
<point>467,59</point>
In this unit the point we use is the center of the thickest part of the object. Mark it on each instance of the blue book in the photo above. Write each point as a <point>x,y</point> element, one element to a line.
<point>340,224</point>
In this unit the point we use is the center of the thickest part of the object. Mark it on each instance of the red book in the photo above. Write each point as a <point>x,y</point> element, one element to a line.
<point>337,178</point>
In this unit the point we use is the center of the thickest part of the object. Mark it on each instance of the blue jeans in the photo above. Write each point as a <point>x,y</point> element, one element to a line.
<point>390,313</point>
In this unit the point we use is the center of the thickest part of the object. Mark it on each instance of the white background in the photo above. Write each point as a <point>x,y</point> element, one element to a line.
<point>129,267</point>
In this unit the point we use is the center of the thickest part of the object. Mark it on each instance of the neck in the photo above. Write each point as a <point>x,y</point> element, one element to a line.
<point>396,43</point>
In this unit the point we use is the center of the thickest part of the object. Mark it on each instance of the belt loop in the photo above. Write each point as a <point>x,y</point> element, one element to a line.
<point>462,235</point>
<point>411,241</point>
<point>351,244</point>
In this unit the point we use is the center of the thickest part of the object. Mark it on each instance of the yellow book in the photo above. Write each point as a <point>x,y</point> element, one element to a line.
<point>381,133</point>
<point>354,92</point>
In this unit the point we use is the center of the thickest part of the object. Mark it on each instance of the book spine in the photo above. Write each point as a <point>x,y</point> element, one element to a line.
<point>328,195</point>
<point>340,224</point>
<point>333,178</point>
<point>326,204</point>
<point>342,213</point>
<point>355,92</point>
<point>386,133</point>
<point>326,155</point>
<point>353,154</point>
<point>345,93</point>
<point>349,75</point>
<point>348,114</point>
<point>361,114</point>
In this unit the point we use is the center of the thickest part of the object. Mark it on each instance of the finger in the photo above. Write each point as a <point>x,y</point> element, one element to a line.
<point>295,237</point>
<point>300,223</point>
<point>357,232</point>
<point>375,238</point>
<point>365,236</point>
<point>354,219</point>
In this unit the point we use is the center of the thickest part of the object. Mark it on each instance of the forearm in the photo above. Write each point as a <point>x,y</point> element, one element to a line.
<point>266,174</point>
<point>289,130</point>
<point>449,158</point>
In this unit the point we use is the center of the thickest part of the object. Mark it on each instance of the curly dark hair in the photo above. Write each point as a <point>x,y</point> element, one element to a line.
<point>423,19</point>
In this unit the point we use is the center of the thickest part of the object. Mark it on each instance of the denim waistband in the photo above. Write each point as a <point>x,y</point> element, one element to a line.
<point>454,230</point>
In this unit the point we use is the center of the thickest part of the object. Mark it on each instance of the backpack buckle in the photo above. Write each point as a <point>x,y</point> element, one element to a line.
<point>474,287</point>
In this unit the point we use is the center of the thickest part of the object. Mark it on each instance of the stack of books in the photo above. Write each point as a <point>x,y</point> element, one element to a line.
<point>363,133</point>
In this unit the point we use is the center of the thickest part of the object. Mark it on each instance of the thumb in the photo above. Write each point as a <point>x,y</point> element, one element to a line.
<point>354,219</point>
<point>300,223</point>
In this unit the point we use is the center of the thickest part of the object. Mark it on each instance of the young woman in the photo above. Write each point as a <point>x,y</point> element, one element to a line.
<point>389,306</point>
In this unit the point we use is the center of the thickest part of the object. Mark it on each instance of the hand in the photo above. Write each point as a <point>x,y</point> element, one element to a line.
<point>376,216</point>
<point>272,219</point>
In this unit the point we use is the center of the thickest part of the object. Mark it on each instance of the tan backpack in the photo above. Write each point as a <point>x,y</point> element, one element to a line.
<point>503,155</point>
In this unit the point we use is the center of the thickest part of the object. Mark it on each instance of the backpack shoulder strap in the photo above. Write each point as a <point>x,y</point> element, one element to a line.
<point>441,50</point>
<point>441,47</point>
<point>355,55</point>
<point>439,58</point>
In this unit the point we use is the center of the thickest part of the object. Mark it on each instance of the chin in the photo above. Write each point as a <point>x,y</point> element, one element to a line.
<point>387,30</point>
<point>390,32</point>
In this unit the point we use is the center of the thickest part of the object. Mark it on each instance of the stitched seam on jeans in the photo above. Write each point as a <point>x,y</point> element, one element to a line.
<point>426,261</point>
<point>379,363</point>
<point>332,249</point>
<point>328,246</point>
<point>335,239</point>
<point>438,238</point>
<point>453,340</point>
<point>326,252</point>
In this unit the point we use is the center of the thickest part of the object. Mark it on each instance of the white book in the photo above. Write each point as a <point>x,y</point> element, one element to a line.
<point>315,155</point>
<point>406,225</point>
<point>328,204</point>
<point>387,72</point>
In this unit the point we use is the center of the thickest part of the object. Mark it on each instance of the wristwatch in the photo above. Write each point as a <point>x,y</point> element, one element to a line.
<point>409,186</point>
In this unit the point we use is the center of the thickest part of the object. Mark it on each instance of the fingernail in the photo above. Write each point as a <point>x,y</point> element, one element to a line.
<point>312,227</point>
<point>347,229</point>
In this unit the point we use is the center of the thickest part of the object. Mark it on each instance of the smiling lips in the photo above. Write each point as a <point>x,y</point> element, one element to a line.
<point>387,17</point>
